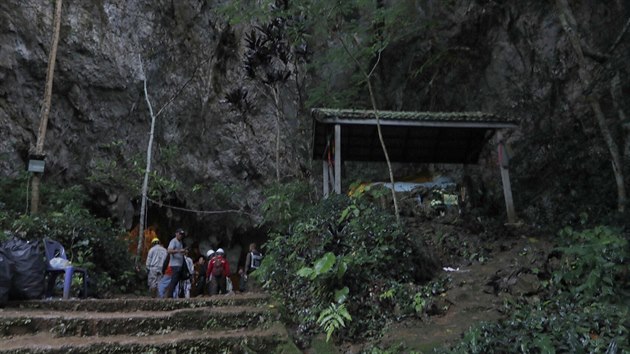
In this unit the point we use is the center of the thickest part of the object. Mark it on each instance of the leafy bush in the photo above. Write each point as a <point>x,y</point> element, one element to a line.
<point>592,260</point>
<point>90,242</point>
<point>585,309</point>
<point>285,203</point>
<point>549,327</point>
<point>342,251</point>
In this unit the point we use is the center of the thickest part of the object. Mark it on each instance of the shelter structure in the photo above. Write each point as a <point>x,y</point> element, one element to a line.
<point>420,137</point>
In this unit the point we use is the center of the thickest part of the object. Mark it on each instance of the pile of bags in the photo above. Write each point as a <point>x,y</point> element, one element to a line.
<point>22,270</point>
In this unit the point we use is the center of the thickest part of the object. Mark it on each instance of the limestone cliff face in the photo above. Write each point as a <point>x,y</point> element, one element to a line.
<point>500,56</point>
<point>99,121</point>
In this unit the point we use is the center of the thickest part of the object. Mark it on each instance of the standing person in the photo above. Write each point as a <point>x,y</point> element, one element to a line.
<point>200,276</point>
<point>252,262</point>
<point>218,270</point>
<point>186,276</point>
<point>166,280</point>
<point>155,260</point>
<point>253,259</point>
<point>209,258</point>
<point>176,251</point>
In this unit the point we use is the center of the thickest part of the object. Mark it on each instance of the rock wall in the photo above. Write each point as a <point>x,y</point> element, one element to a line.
<point>99,122</point>
<point>514,59</point>
<point>505,57</point>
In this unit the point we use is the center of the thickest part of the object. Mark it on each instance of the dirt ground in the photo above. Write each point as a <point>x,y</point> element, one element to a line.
<point>484,268</point>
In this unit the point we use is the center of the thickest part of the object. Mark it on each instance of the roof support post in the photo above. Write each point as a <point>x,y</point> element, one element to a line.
<point>505,178</point>
<point>326,180</point>
<point>338,158</point>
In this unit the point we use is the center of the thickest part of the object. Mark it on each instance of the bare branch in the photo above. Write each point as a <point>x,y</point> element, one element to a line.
<point>378,123</point>
<point>181,88</point>
<point>621,34</point>
<point>377,61</point>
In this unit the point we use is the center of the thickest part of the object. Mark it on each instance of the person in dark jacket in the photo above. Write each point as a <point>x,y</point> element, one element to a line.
<point>252,262</point>
<point>200,276</point>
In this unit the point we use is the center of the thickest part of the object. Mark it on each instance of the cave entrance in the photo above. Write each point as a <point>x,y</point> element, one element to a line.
<point>410,137</point>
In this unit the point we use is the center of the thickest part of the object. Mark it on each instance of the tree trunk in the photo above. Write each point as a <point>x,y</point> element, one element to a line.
<point>569,25</point>
<point>279,116</point>
<point>378,123</point>
<point>43,122</point>
<point>616,94</point>
<point>380,137</point>
<point>145,183</point>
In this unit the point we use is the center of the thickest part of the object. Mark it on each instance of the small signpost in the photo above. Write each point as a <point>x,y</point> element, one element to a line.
<point>36,163</point>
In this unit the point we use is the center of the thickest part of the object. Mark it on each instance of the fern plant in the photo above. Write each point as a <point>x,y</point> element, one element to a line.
<point>333,318</point>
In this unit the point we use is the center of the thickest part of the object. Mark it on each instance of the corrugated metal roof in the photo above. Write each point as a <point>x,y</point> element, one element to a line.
<point>356,114</point>
<point>433,137</point>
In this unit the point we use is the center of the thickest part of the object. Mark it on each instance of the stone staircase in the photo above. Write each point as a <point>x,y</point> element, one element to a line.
<point>242,323</point>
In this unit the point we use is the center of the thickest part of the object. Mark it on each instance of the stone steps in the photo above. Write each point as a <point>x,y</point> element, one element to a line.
<point>198,341</point>
<point>142,303</point>
<point>246,323</point>
<point>86,323</point>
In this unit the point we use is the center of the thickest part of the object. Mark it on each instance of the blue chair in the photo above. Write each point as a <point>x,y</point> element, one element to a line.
<point>55,249</point>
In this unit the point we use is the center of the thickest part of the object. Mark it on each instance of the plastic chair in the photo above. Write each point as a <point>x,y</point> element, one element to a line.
<point>55,249</point>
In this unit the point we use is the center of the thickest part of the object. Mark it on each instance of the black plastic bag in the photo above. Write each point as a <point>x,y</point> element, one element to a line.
<point>5,276</point>
<point>28,268</point>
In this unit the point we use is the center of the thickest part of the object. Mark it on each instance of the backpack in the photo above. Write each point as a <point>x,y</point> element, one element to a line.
<point>167,259</point>
<point>217,268</point>
<point>184,273</point>
<point>256,258</point>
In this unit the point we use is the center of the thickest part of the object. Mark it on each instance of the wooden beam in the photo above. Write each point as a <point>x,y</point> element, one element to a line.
<point>326,181</point>
<point>505,178</point>
<point>337,158</point>
<point>416,123</point>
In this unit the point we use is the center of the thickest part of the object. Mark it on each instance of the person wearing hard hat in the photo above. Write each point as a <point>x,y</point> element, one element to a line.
<point>218,271</point>
<point>208,277</point>
<point>155,260</point>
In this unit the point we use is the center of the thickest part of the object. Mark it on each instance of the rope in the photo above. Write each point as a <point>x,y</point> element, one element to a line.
<point>200,211</point>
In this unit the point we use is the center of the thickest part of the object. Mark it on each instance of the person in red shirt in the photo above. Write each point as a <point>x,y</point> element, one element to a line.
<point>218,271</point>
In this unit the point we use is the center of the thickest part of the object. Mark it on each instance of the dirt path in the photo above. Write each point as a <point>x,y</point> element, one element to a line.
<point>477,292</point>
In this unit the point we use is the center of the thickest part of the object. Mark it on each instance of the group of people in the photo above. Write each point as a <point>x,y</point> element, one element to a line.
<point>172,273</point>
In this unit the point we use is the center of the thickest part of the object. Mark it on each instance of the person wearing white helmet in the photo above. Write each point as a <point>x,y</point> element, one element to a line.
<point>218,271</point>
<point>155,260</point>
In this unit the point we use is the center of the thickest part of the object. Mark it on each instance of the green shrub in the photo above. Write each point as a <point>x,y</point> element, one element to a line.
<point>550,327</point>
<point>592,260</point>
<point>342,250</point>
<point>90,242</point>
<point>585,310</point>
